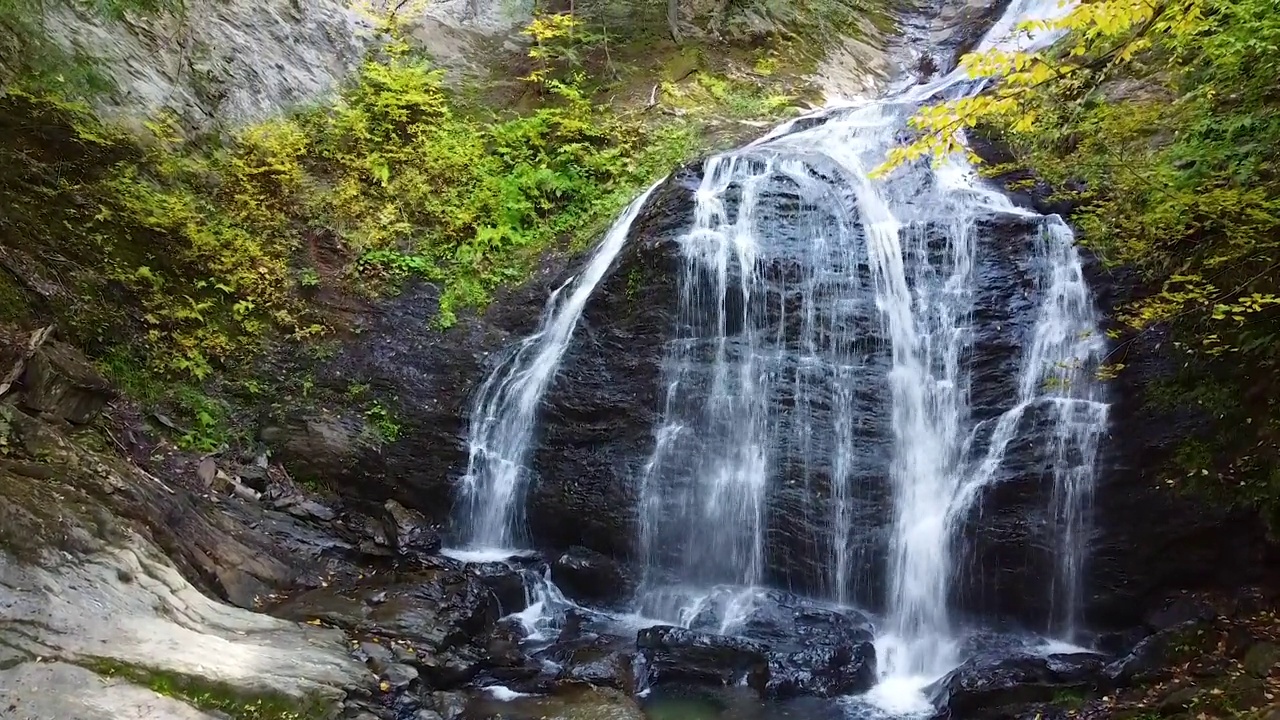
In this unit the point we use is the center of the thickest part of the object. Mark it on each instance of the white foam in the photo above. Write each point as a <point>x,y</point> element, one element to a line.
<point>505,694</point>
<point>900,696</point>
<point>480,555</point>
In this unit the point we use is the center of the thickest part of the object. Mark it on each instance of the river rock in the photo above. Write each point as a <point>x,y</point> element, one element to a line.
<point>673,654</point>
<point>412,534</point>
<point>588,576</point>
<point>436,608</point>
<point>813,649</point>
<point>571,702</point>
<point>595,659</point>
<point>986,685</point>
<point>822,669</point>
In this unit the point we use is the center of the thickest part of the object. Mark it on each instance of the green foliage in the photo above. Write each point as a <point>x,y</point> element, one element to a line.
<point>418,188</point>
<point>1160,122</point>
<point>210,429</point>
<point>383,422</point>
<point>709,95</point>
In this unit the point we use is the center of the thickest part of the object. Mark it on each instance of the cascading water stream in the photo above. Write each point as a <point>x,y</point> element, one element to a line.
<point>504,413</point>
<point>819,383</point>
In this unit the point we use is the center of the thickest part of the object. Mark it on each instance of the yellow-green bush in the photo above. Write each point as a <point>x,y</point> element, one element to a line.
<point>197,242</point>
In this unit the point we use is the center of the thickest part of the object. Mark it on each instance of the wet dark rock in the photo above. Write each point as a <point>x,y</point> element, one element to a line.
<point>503,644</point>
<point>985,686</point>
<point>784,620</point>
<point>588,576</point>
<point>377,656</point>
<point>1149,659</point>
<point>61,382</point>
<point>595,659</point>
<point>1179,610</point>
<point>508,579</point>
<point>601,409</point>
<point>823,669</point>
<point>673,654</point>
<point>440,612</point>
<point>812,649</point>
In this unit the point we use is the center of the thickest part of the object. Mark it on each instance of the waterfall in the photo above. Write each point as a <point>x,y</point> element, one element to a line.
<point>819,383</point>
<point>805,283</point>
<point>504,412</point>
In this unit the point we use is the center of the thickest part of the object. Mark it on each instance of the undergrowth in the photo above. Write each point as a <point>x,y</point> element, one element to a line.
<point>174,259</point>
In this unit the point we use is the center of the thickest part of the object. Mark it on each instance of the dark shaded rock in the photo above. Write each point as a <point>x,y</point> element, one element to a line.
<point>589,576</point>
<point>1177,700</point>
<point>1149,659</point>
<point>450,705</point>
<point>673,654</point>
<point>987,686</point>
<point>412,534</point>
<point>321,448</point>
<point>1179,610</point>
<point>61,382</point>
<point>1261,659</point>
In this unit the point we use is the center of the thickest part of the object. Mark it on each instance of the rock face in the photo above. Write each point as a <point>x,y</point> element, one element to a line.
<point>225,63</point>
<point>1145,539</point>
<point>597,430</point>
<point>104,565</point>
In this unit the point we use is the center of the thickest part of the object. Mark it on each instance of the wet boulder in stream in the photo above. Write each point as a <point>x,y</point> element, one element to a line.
<point>588,576</point>
<point>673,654</point>
<point>987,684</point>
<point>813,649</point>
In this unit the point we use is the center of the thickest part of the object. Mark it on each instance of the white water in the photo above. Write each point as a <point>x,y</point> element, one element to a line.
<point>504,415</point>
<point>820,310</point>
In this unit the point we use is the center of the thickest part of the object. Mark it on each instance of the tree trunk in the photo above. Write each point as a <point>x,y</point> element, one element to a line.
<point>673,19</point>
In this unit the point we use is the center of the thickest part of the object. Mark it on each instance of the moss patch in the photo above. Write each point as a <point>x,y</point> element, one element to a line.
<point>207,695</point>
